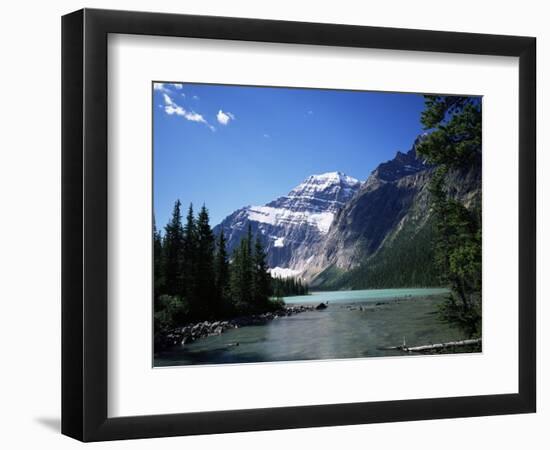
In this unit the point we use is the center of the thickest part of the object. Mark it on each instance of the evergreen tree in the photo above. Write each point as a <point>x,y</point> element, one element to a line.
<point>455,137</point>
<point>242,275</point>
<point>261,278</point>
<point>283,287</point>
<point>221,264</point>
<point>235,276</point>
<point>158,270</point>
<point>189,253</point>
<point>454,143</point>
<point>204,268</point>
<point>248,268</point>
<point>172,252</point>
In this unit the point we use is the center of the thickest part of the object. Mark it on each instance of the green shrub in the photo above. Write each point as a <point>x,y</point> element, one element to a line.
<point>170,311</point>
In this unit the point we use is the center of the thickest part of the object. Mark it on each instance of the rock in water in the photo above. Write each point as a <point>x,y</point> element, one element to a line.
<point>321,306</point>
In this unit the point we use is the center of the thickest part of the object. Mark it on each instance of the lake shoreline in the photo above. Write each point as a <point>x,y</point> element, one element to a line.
<point>197,330</point>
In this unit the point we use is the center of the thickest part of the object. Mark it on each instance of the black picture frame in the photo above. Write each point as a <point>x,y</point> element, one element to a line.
<point>84,224</point>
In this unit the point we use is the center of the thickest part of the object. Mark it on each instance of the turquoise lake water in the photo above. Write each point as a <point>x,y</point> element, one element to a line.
<point>356,324</point>
<point>363,296</point>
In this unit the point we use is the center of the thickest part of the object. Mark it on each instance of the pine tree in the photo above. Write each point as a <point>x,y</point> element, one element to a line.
<point>204,267</point>
<point>221,264</point>
<point>158,269</point>
<point>172,253</point>
<point>454,144</point>
<point>261,278</point>
<point>235,275</point>
<point>455,137</point>
<point>248,251</point>
<point>282,287</point>
<point>248,269</point>
<point>189,253</point>
<point>245,288</point>
<point>242,274</point>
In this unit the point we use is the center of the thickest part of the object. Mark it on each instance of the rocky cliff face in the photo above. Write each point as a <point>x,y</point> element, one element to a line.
<point>387,225</point>
<point>378,209</point>
<point>293,225</point>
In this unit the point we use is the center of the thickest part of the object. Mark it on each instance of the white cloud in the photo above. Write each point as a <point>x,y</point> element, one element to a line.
<point>161,87</point>
<point>168,100</point>
<point>267,136</point>
<point>172,108</point>
<point>166,87</point>
<point>196,97</point>
<point>177,110</point>
<point>224,117</point>
<point>310,112</point>
<point>195,117</point>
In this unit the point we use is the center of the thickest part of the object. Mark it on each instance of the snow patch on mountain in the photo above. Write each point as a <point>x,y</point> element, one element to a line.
<point>279,242</point>
<point>283,272</point>
<point>283,216</point>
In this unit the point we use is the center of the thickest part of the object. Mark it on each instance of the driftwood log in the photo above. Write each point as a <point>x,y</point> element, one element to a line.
<point>440,346</point>
<point>423,348</point>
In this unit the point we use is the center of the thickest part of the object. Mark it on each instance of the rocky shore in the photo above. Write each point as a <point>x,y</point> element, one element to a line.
<point>193,331</point>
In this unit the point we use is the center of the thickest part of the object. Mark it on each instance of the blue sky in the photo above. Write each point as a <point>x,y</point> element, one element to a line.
<point>232,146</point>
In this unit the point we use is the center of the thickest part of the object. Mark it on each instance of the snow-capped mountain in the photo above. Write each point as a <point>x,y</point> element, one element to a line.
<point>292,225</point>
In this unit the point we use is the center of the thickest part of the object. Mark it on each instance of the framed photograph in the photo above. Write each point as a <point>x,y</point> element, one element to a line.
<point>273,224</point>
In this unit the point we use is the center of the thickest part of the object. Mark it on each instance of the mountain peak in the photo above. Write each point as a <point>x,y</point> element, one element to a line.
<point>333,178</point>
<point>321,192</point>
<point>403,164</point>
<point>328,182</point>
